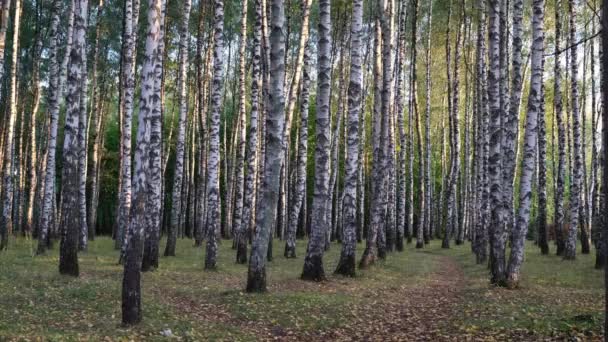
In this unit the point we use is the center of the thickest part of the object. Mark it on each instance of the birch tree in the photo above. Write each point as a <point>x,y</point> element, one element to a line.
<point>178,180</point>
<point>213,180</point>
<point>313,263</point>
<point>561,136</point>
<point>252,144</point>
<point>275,121</point>
<point>148,104</point>
<point>576,182</point>
<point>128,69</point>
<point>497,226</point>
<point>242,132</point>
<point>8,185</point>
<point>70,215</point>
<point>346,265</point>
<point>53,94</point>
<point>535,100</point>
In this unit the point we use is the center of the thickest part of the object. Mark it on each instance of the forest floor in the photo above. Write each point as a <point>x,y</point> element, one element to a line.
<point>418,295</point>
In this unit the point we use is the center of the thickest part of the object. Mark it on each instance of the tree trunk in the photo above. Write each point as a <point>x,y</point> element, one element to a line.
<point>213,181</point>
<point>252,145</point>
<point>54,95</point>
<point>267,210</point>
<point>5,7</point>
<point>346,265</point>
<point>427,126</point>
<point>239,233</point>
<point>70,216</point>
<point>154,200</point>
<point>128,69</point>
<point>8,186</point>
<point>178,178</point>
<point>370,254</point>
<point>313,263</point>
<point>497,226</point>
<point>575,184</point>
<point>300,186</point>
<point>150,96</point>
<point>561,133</point>
<point>535,107</point>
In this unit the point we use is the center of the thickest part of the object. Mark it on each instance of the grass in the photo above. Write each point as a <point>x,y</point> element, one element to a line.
<point>36,302</point>
<point>555,297</point>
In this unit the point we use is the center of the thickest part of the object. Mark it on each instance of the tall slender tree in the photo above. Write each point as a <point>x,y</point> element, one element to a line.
<point>252,144</point>
<point>70,216</point>
<point>126,108</point>
<point>54,95</point>
<point>497,227</point>
<point>275,121</point>
<point>535,106</point>
<point>346,265</point>
<point>369,254</point>
<point>213,180</point>
<point>576,181</point>
<point>561,136</point>
<point>8,185</point>
<point>313,263</point>
<point>148,104</point>
<point>242,134</point>
<point>154,197</point>
<point>178,179</point>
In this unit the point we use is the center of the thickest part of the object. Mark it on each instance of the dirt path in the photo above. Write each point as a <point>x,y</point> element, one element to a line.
<point>420,313</point>
<point>389,313</point>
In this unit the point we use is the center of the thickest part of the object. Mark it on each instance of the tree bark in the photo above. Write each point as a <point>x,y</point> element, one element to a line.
<point>535,106</point>
<point>275,121</point>
<point>54,95</point>
<point>561,140</point>
<point>70,216</point>
<point>178,178</point>
<point>497,226</point>
<point>154,200</point>
<point>313,263</point>
<point>148,106</point>
<point>8,186</point>
<point>213,180</point>
<point>575,184</point>
<point>346,265</point>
